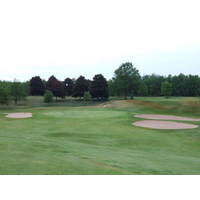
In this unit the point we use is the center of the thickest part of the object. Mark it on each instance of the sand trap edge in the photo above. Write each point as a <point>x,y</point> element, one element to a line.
<point>165,117</point>
<point>19,115</point>
<point>163,125</point>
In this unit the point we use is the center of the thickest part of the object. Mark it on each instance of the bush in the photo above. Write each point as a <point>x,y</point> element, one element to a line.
<point>87,96</point>
<point>48,97</point>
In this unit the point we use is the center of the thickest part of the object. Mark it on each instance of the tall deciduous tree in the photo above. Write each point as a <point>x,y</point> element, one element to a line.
<point>143,89</point>
<point>4,95</point>
<point>153,83</point>
<point>18,91</point>
<point>127,80</point>
<point>99,87</point>
<point>69,85</point>
<point>37,87</point>
<point>56,87</point>
<point>81,86</point>
<point>166,89</point>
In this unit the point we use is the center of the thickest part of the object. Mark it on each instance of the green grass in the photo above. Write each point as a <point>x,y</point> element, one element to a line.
<point>68,138</point>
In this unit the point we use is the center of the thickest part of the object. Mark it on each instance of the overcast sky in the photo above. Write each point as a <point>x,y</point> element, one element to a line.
<point>86,37</point>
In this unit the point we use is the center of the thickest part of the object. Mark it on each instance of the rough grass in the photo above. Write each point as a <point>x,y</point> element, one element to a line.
<point>99,139</point>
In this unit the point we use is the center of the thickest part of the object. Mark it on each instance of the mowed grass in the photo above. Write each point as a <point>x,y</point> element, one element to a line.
<point>99,139</point>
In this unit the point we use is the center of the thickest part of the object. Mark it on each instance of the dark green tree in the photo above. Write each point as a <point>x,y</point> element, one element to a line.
<point>4,95</point>
<point>127,80</point>
<point>26,86</point>
<point>179,84</point>
<point>143,89</point>
<point>18,91</point>
<point>153,83</point>
<point>193,85</point>
<point>166,89</point>
<point>37,87</point>
<point>99,87</point>
<point>111,88</point>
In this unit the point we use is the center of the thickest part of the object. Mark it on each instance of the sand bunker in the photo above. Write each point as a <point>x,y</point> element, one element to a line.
<point>166,117</point>
<point>154,124</point>
<point>19,115</point>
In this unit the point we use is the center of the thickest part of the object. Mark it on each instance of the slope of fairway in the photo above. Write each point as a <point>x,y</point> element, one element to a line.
<point>100,140</point>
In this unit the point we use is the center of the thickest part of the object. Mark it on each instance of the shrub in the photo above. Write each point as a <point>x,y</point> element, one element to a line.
<point>48,97</point>
<point>87,96</point>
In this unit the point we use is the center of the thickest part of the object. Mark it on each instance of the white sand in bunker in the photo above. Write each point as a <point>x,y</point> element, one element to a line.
<point>19,115</point>
<point>166,117</point>
<point>156,124</point>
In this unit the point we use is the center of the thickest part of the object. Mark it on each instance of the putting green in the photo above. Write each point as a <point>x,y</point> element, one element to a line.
<point>84,114</point>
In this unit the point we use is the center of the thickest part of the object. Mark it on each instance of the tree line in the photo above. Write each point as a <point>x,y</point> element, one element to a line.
<point>127,82</point>
<point>96,88</point>
<point>13,91</point>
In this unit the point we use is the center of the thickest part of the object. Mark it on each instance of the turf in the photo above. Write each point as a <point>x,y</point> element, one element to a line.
<point>94,139</point>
